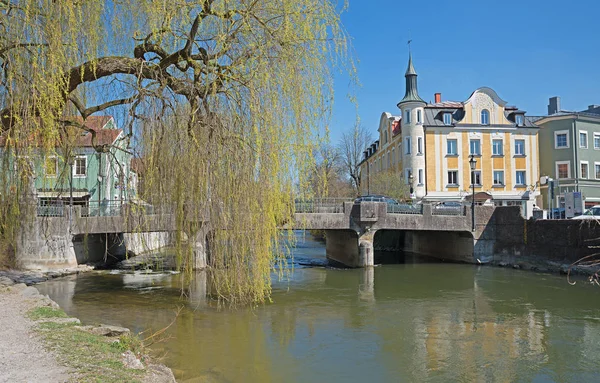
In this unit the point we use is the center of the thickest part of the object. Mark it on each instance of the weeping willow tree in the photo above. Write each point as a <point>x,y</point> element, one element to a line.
<point>220,98</point>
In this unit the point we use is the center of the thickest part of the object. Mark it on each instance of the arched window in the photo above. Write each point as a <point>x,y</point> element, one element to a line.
<point>485,117</point>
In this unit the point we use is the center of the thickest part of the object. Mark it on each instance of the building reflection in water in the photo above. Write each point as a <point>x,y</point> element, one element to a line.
<point>397,323</point>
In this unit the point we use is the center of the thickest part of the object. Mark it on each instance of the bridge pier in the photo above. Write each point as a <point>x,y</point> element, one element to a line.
<point>366,251</point>
<point>346,248</point>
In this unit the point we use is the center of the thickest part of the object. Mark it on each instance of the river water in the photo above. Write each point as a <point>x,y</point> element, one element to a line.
<point>407,322</point>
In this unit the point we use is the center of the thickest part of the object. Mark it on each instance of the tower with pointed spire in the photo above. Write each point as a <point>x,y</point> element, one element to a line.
<point>413,134</point>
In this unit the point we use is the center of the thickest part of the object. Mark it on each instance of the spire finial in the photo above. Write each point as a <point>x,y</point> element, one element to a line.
<point>411,80</point>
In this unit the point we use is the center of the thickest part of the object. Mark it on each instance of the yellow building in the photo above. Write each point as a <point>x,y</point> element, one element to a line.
<point>429,146</point>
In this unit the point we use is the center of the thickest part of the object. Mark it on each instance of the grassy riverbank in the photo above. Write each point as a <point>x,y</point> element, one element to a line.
<point>92,358</point>
<point>36,329</point>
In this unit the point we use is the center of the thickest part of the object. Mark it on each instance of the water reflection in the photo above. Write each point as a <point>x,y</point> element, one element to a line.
<point>407,322</point>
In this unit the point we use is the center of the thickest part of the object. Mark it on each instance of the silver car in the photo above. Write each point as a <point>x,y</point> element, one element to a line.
<point>591,213</point>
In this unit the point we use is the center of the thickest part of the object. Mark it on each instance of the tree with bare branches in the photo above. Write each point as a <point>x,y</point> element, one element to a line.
<point>222,99</point>
<point>351,148</point>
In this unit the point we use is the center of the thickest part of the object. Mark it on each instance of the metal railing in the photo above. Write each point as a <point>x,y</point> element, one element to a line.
<point>321,205</point>
<point>404,209</point>
<point>455,211</point>
<point>45,209</point>
<point>103,208</point>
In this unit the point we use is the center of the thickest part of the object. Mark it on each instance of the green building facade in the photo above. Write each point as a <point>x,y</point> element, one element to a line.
<point>570,153</point>
<point>97,176</point>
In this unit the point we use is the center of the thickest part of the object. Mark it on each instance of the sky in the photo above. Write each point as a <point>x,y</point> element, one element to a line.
<point>527,51</point>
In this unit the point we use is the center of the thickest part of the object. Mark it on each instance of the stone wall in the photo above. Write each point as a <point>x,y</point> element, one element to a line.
<point>542,242</point>
<point>42,246</point>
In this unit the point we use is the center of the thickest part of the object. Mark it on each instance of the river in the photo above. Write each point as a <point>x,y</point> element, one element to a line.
<point>395,323</point>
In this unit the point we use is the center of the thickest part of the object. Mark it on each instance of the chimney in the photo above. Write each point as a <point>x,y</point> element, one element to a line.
<point>553,105</point>
<point>438,98</point>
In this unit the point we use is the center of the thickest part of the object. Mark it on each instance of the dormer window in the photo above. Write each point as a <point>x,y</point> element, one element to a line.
<point>519,119</point>
<point>485,117</point>
<point>448,119</point>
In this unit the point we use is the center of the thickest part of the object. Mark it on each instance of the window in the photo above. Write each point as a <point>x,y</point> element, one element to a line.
<point>385,137</point>
<point>597,166</point>
<point>80,167</point>
<point>447,118</point>
<point>383,163</point>
<point>419,145</point>
<point>453,177</point>
<point>393,156</point>
<point>519,119</point>
<point>563,169</point>
<point>419,120</point>
<point>51,166</point>
<point>485,117</point>
<point>519,147</point>
<point>407,145</point>
<point>583,140</point>
<point>407,118</point>
<point>497,148</point>
<point>520,178</point>
<point>596,140</point>
<point>476,177</point>
<point>561,139</point>
<point>584,169</point>
<point>475,146</point>
<point>421,177</point>
<point>451,147</point>
<point>499,177</point>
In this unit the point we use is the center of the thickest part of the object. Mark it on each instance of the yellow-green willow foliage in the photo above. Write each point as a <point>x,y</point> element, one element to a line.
<point>222,99</point>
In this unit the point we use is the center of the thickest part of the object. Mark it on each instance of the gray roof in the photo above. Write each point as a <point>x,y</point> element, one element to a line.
<point>434,117</point>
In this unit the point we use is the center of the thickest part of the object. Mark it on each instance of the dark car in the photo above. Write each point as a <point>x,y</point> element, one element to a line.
<point>376,198</point>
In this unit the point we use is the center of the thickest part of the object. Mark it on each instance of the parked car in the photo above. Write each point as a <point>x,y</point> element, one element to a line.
<point>376,198</point>
<point>448,205</point>
<point>591,213</point>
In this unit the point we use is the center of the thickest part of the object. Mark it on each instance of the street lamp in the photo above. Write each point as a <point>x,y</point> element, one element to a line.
<point>410,183</point>
<point>472,163</point>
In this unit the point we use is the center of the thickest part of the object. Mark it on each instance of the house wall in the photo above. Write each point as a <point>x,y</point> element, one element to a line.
<point>105,164</point>
<point>439,162</point>
<point>549,155</point>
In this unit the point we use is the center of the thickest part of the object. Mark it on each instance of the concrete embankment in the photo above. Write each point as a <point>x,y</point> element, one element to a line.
<point>40,343</point>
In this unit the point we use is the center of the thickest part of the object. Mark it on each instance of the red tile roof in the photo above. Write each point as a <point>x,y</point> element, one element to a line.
<point>95,123</point>
<point>137,165</point>
<point>396,127</point>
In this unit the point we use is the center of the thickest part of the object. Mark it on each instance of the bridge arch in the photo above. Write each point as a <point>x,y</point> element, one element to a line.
<point>392,246</point>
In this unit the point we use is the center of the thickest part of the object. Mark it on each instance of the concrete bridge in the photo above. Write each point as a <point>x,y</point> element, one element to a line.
<point>353,232</point>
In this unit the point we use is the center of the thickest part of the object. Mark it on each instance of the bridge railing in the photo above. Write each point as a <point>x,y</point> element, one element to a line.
<point>321,205</point>
<point>404,209</point>
<point>51,210</point>
<point>455,211</point>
